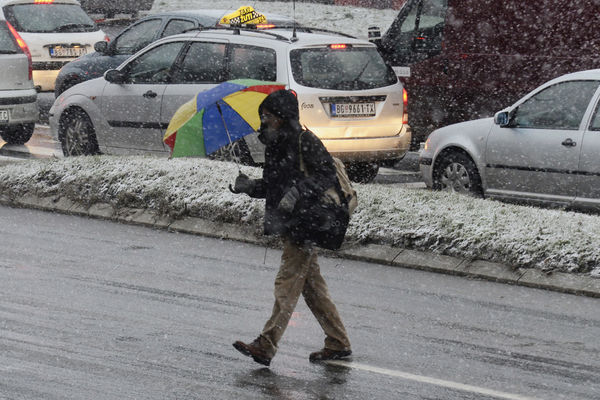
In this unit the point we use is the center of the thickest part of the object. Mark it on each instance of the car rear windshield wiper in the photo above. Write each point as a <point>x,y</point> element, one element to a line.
<point>70,27</point>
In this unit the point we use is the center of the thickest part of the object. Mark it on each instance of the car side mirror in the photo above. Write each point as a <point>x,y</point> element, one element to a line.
<point>502,119</point>
<point>101,47</point>
<point>114,76</point>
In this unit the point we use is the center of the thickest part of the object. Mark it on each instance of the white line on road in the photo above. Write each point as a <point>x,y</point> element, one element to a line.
<point>431,381</point>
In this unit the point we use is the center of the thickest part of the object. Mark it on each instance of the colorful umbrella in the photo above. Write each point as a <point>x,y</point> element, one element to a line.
<point>217,117</point>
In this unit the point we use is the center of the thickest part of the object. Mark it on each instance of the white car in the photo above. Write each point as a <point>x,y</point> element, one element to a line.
<point>543,149</point>
<point>18,98</point>
<point>347,95</point>
<point>56,32</point>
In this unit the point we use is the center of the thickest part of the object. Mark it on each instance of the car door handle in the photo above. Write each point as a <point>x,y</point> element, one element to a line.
<point>569,143</point>
<point>150,94</point>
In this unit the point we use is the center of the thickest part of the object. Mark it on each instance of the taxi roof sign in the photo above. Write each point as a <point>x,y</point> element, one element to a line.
<point>243,16</point>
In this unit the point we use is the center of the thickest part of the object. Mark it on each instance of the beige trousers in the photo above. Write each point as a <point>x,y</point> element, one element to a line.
<point>299,273</point>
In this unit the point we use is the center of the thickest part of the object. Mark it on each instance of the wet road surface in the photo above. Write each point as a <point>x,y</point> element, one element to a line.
<point>97,310</point>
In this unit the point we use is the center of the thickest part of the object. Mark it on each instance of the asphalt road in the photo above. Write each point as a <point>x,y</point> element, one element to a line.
<point>97,310</point>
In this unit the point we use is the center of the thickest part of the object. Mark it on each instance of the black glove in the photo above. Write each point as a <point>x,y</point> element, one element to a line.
<point>243,184</point>
<point>288,202</point>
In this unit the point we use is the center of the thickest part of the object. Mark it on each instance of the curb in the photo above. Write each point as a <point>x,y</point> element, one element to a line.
<point>396,257</point>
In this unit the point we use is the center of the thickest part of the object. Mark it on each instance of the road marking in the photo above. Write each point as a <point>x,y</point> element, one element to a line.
<point>431,381</point>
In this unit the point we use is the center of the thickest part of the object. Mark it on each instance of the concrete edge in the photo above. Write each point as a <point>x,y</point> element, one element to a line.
<point>374,253</point>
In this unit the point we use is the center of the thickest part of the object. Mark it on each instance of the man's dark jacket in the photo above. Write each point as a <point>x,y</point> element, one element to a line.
<point>282,171</point>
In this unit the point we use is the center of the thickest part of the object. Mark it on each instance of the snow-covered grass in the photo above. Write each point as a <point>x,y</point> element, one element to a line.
<point>524,237</point>
<point>347,19</point>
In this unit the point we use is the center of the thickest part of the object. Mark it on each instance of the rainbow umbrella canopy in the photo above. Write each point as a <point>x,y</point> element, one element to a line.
<point>217,117</point>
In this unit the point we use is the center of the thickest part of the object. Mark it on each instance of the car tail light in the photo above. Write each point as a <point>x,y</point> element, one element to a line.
<point>106,38</point>
<point>23,47</point>
<point>405,108</point>
<point>294,93</point>
<point>43,1</point>
<point>339,46</point>
<point>265,26</point>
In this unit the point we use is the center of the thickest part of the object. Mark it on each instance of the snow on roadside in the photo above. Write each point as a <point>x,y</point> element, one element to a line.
<point>445,223</point>
<point>347,19</point>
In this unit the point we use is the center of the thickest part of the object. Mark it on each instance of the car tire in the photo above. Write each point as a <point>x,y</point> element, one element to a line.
<point>18,134</point>
<point>76,134</point>
<point>456,172</point>
<point>362,172</point>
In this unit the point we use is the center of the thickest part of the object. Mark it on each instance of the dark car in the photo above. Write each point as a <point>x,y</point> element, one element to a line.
<point>466,59</point>
<point>137,36</point>
<point>111,7</point>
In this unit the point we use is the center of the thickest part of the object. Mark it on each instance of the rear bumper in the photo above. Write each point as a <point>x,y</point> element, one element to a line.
<point>45,79</point>
<point>370,148</point>
<point>21,105</point>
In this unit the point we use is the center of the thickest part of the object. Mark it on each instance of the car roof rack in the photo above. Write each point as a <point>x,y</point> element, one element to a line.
<point>307,29</point>
<point>251,28</point>
<point>238,29</point>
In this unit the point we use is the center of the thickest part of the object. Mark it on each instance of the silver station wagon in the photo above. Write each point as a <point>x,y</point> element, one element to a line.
<point>543,149</point>
<point>348,96</point>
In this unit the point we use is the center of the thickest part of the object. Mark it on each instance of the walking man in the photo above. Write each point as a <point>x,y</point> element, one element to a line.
<point>283,185</point>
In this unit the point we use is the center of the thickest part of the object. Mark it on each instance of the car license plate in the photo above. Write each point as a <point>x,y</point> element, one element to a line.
<point>4,116</point>
<point>61,51</point>
<point>353,109</point>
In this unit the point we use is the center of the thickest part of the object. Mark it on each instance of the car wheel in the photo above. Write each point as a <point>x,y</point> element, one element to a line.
<point>18,134</point>
<point>362,172</point>
<point>77,136</point>
<point>456,172</point>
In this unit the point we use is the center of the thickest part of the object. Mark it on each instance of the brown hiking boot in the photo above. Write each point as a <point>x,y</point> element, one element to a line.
<point>253,350</point>
<point>327,354</point>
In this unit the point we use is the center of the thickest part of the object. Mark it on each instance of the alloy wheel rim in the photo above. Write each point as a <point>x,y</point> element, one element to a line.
<point>76,137</point>
<point>455,178</point>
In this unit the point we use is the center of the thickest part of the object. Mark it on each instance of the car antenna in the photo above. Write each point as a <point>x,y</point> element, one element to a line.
<point>294,37</point>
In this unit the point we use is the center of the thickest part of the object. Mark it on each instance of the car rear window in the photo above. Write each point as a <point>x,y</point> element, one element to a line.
<point>346,68</point>
<point>7,43</point>
<point>45,18</point>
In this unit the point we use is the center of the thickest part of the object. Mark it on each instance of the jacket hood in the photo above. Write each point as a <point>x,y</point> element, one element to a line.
<point>283,104</point>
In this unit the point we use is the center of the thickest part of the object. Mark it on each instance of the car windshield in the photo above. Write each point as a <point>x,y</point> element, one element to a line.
<point>7,43</point>
<point>348,68</point>
<point>44,18</point>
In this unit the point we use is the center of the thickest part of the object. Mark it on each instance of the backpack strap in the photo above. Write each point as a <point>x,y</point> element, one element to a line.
<point>337,185</point>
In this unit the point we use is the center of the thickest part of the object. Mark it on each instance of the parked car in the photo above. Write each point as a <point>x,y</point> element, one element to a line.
<point>466,59</point>
<point>347,95</point>
<point>137,36</point>
<point>542,149</point>
<point>18,98</point>
<point>56,32</point>
<point>111,7</point>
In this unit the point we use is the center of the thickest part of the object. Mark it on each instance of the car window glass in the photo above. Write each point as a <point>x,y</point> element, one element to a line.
<point>176,26</point>
<point>7,43</point>
<point>353,68</point>
<point>419,34</point>
<point>560,106</point>
<point>54,17</point>
<point>253,63</point>
<point>137,37</point>
<point>595,125</point>
<point>154,66</point>
<point>203,63</point>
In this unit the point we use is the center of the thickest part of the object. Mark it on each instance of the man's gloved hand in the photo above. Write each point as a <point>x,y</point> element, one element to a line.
<point>243,184</point>
<point>288,202</point>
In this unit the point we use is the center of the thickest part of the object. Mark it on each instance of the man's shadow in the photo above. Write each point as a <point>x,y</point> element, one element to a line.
<point>268,383</point>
